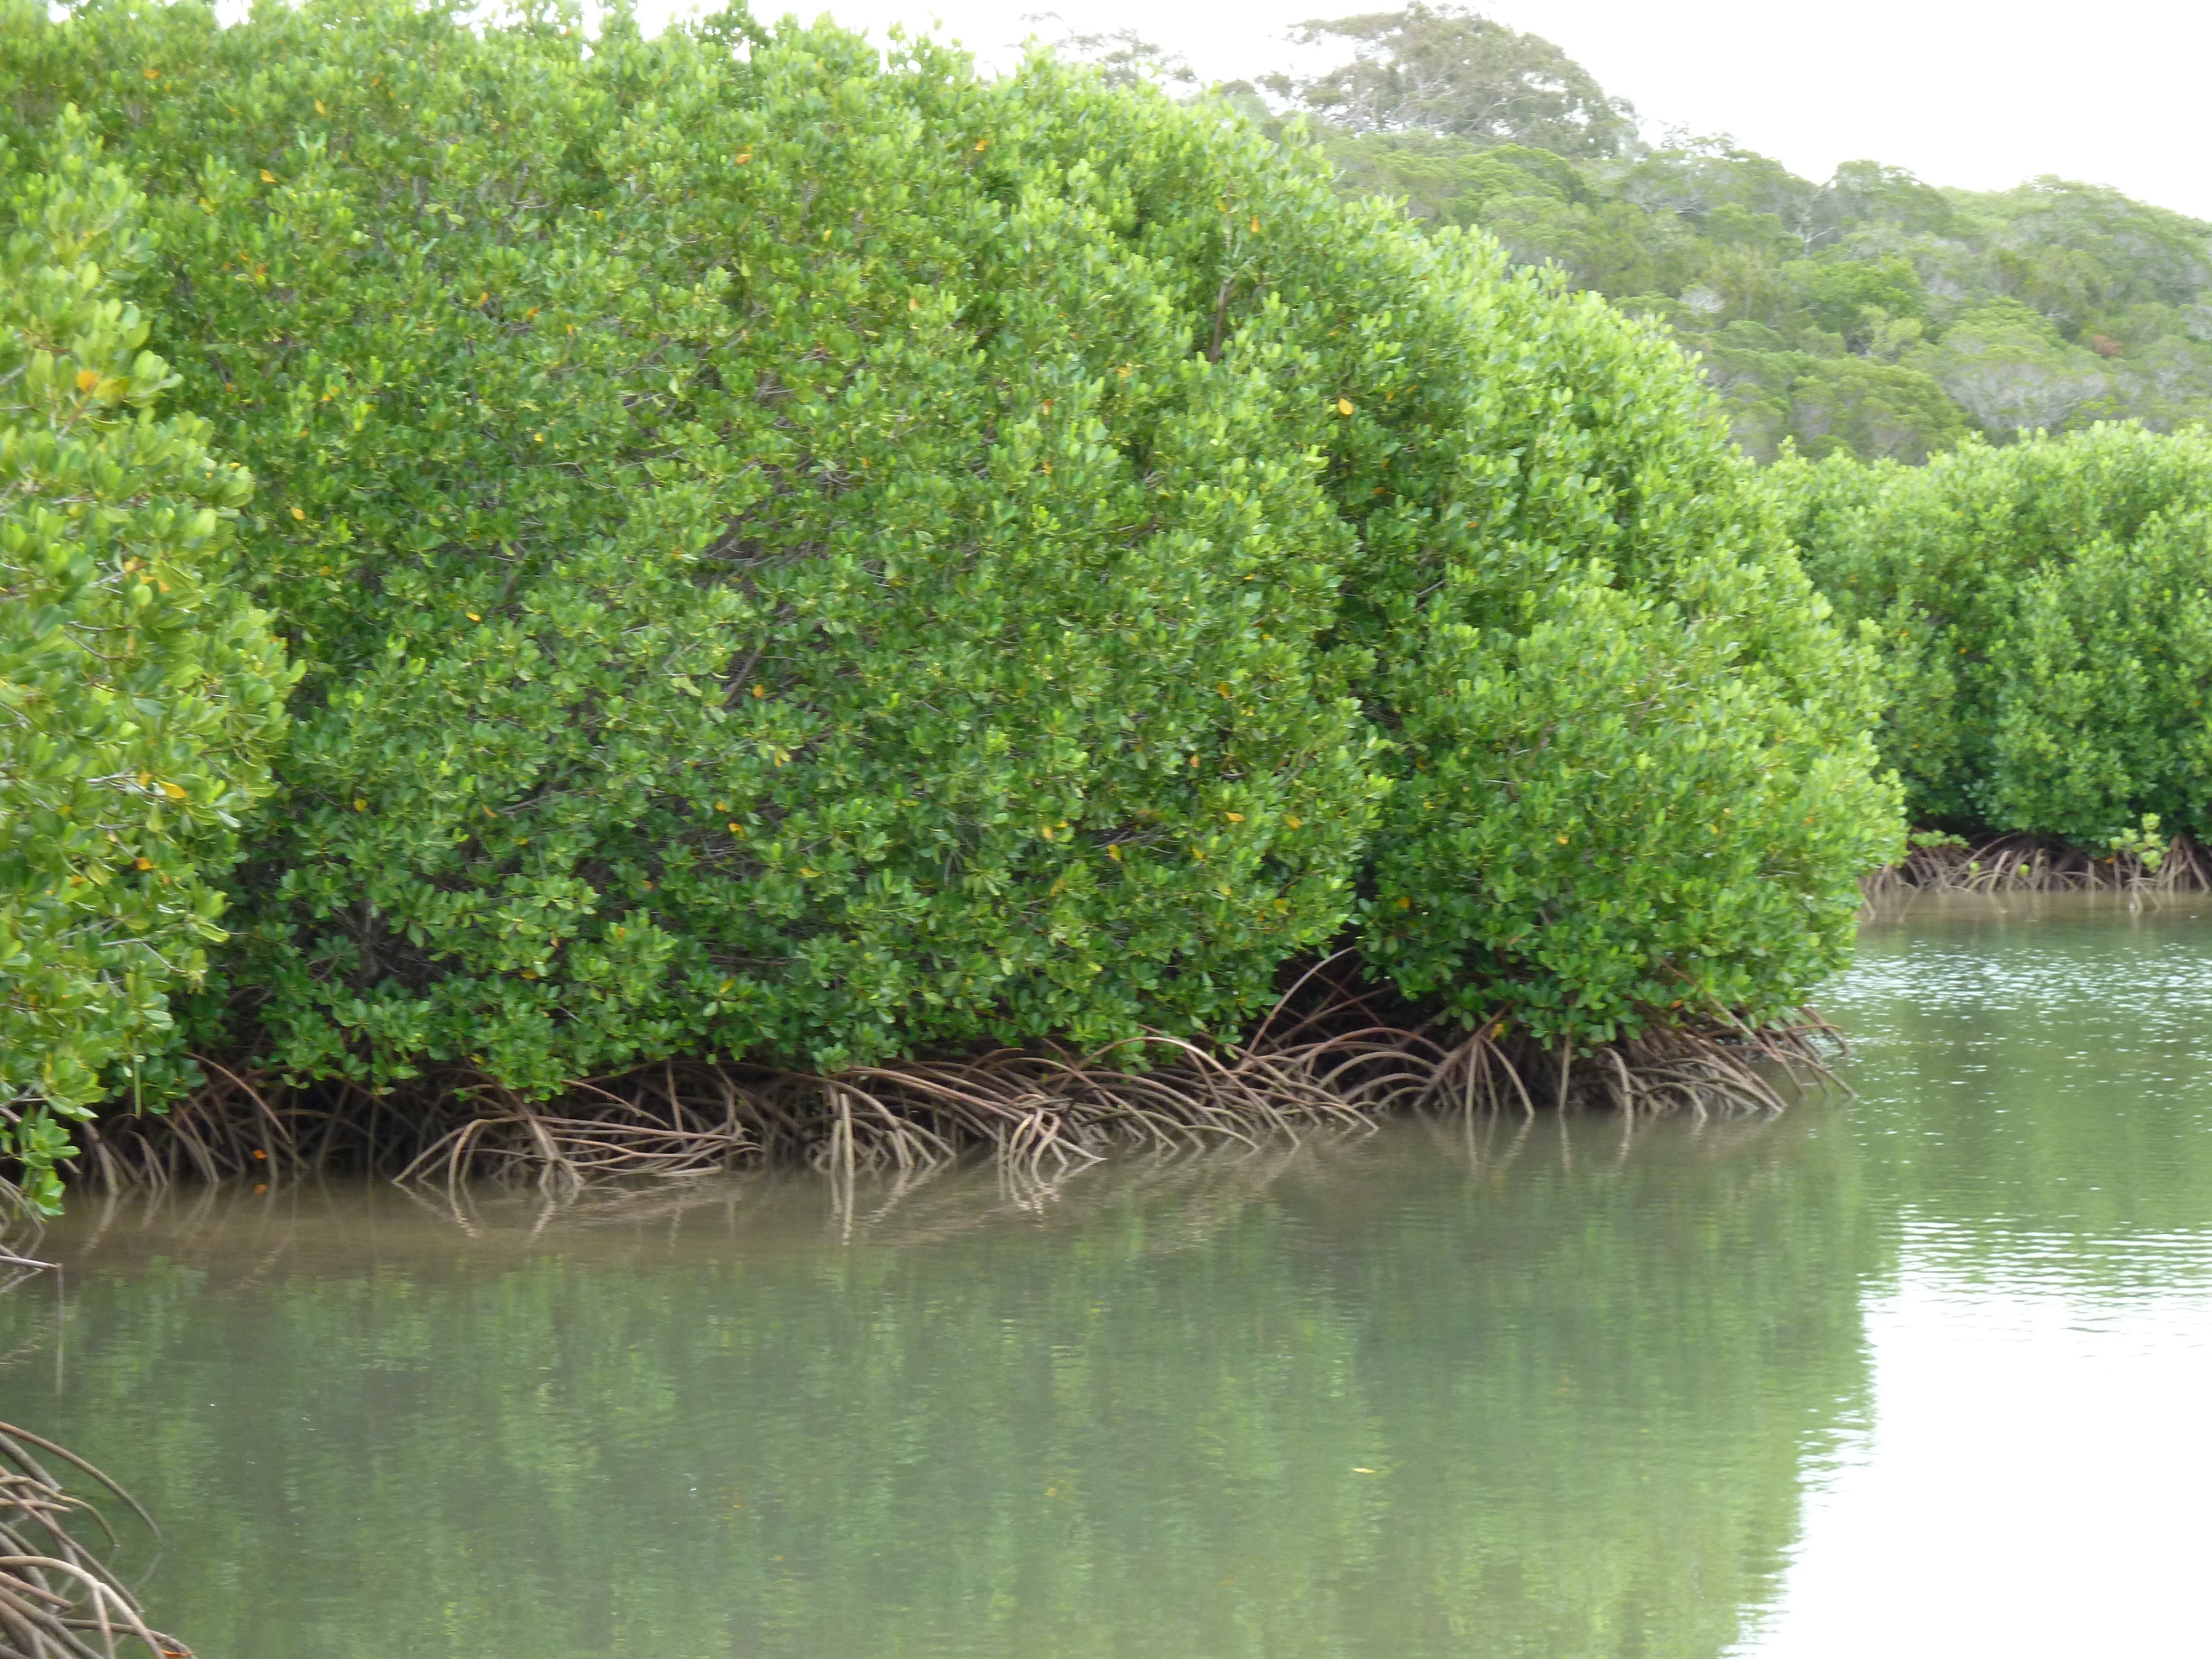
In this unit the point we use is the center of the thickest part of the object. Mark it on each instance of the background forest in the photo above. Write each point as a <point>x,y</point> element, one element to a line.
<point>1871,313</point>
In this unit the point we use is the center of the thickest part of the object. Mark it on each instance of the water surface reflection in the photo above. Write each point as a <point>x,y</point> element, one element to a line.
<point>1452,1389</point>
<point>2037,1128</point>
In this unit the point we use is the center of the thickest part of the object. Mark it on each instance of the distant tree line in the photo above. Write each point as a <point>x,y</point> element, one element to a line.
<point>1872,314</point>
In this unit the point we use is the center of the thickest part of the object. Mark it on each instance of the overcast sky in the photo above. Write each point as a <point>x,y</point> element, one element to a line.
<point>1982,96</point>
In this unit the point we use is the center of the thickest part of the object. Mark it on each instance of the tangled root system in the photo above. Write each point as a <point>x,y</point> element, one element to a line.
<point>2038,864</point>
<point>59,1597</point>
<point>1335,1052</point>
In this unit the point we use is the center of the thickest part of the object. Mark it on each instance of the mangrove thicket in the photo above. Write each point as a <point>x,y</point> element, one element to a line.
<point>818,561</point>
<point>2042,617</point>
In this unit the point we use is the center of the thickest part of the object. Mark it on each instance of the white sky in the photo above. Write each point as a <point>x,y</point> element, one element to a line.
<point>1982,96</point>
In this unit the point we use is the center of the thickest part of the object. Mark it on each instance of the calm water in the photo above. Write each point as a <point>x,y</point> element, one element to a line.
<point>1929,1374</point>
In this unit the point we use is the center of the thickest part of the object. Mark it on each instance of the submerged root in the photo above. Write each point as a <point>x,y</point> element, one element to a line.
<point>2038,864</point>
<point>59,1597</point>
<point>1335,1052</point>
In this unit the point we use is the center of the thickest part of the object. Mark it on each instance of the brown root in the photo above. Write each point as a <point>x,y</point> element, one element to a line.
<point>2038,864</point>
<point>1335,1052</point>
<point>59,1597</point>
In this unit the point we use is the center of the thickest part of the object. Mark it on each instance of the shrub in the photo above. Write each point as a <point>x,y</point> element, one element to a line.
<point>1585,620</point>
<point>2040,613</point>
<point>769,587</point>
<point>810,559</point>
<point>2099,687</point>
<point>139,695</point>
<point>1632,772</point>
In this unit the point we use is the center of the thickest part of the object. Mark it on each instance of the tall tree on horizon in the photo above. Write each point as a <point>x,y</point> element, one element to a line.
<point>1443,69</point>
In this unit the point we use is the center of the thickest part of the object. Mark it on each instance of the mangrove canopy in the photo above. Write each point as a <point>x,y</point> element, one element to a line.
<point>816,558</point>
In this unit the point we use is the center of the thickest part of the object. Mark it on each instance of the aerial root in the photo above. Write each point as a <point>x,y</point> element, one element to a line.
<point>1335,1052</point>
<point>2038,864</point>
<point>59,1598</point>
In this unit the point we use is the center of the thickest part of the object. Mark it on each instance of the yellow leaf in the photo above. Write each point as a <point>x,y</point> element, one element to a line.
<point>724,985</point>
<point>804,871</point>
<point>319,110</point>
<point>742,157</point>
<point>86,378</point>
<point>145,864</point>
<point>982,144</point>
<point>760,692</point>
<point>1115,853</point>
<point>1046,832</point>
<point>1223,688</point>
<point>1255,224</point>
<point>914,305</point>
<point>359,804</point>
<point>1344,405</point>
<point>153,75</point>
<point>539,438</point>
<point>1236,818</point>
<point>1405,904</point>
<point>471,615</point>
<point>1563,841</point>
<point>737,828</point>
<point>267,177</point>
<point>298,514</point>
<point>1194,760</point>
<point>174,791</point>
<point>1294,822</point>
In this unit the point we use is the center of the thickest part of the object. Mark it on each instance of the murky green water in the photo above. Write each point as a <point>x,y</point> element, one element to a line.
<point>1925,1375</point>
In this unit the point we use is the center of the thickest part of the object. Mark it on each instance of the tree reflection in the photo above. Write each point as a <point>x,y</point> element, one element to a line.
<point>1494,1388</point>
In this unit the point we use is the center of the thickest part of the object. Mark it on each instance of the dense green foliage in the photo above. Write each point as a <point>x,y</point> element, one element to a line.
<point>773,585</point>
<point>1871,314</point>
<point>2044,622</point>
<point>1630,772</point>
<point>139,695</point>
<point>810,559</point>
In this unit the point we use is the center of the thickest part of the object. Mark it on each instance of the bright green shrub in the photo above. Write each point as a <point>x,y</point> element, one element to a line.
<point>2100,688</point>
<point>1500,448</point>
<point>1616,814</point>
<point>2037,608</point>
<point>139,695</point>
<point>1561,566</point>
<point>770,588</point>
<point>809,560</point>
<point>1633,775</point>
